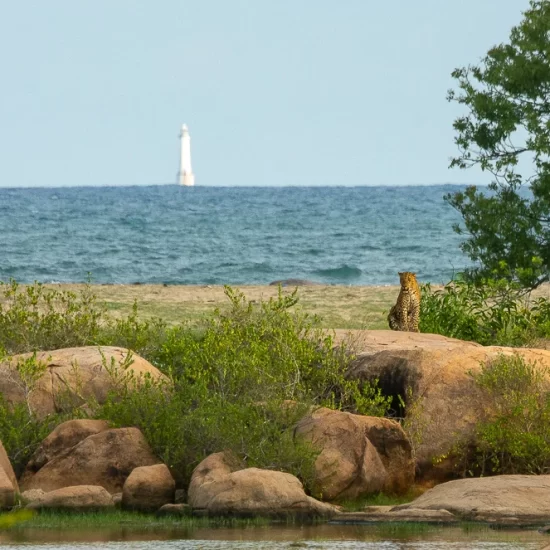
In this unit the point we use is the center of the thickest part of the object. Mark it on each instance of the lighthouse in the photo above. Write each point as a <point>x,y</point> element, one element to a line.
<point>185,175</point>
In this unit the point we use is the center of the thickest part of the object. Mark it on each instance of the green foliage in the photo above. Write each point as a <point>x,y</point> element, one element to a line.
<point>514,435</point>
<point>20,430</point>
<point>262,351</point>
<point>493,313</point>
<point>144,337</point>
<point>508,102</point>
<point>241,384</point>
<point>37,318</point>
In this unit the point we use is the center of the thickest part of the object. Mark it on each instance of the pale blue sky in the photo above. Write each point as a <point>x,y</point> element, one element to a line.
<point>275,92</point>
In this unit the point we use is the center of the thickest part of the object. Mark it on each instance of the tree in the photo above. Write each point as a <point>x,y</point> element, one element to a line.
<point>508,101</point>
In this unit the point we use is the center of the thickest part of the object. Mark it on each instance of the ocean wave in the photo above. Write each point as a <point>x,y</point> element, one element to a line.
<point>226,235</point>
<point>343,272</point>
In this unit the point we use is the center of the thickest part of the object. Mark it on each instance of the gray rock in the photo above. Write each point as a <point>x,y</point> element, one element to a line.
<point>293,282</point>
<point>375,514</point>
<point>80,497</point>
<point>31,495</point>
<point>179,510</point>
<point>505,500</point>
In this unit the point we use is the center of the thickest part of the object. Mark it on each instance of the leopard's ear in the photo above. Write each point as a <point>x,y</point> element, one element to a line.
<point>400,273</point>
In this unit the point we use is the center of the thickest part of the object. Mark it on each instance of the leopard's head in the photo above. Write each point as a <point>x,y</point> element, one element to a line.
<point>408,280</point>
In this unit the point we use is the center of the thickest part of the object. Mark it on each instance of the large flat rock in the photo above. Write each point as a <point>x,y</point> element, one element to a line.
<point>506,500</point>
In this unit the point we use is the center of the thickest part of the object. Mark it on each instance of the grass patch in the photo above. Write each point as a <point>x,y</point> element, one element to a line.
<point>67,520</point>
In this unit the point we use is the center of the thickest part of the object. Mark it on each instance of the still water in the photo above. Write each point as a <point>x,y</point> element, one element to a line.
<point>318,537</point>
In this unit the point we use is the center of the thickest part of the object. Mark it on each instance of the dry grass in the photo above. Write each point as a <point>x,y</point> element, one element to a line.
<point>337,306</point>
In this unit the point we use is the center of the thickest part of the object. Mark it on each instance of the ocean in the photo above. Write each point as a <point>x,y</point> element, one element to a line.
<point>228,235</point>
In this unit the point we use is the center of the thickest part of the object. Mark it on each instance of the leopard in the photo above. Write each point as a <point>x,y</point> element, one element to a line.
<point>405,314</point>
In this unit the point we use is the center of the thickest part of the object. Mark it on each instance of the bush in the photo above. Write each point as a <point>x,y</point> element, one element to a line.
<point>36,318</point>
<point>513,437</point>
<point>21,432</point>
<point>495,313</point>
<point>241,384</point>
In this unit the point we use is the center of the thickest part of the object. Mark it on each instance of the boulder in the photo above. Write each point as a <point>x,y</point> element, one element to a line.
<point>178,510</point>
<point>72,376</point>
<point>360,455</point>
<point>377,514</point>
<point>105,459</point>
<point>81,497</point>
<point>63,437</point>
<point>7,491</point>
<point>430,373</point>
<point>5,465</point>
<point>148,488</point>
<point>29,496</point>
<point>219,489</point>
<point>507,499</point>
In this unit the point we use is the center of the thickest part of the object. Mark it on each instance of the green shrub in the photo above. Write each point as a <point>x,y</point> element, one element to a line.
<point>144,337</point>
<point>495,313</point>
<point>241,384</point>
<point>37,318</point>
<point>21,432</point>
<point>513,437</point>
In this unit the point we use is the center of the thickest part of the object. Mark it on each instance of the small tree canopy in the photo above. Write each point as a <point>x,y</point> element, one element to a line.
<point>508,101</point>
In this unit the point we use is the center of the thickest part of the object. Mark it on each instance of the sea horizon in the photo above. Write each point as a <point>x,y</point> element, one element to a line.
<point>286,186</point>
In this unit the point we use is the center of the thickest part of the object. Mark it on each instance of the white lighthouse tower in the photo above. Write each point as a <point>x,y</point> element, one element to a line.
<point>185,175</point>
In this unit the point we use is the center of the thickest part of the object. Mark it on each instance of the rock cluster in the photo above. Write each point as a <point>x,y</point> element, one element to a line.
<point>86,464</point>
<point>218,488</point>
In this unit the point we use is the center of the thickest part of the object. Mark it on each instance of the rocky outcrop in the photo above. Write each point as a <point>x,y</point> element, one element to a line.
<point>218,488</point>
<point>105,459</point>
<point>148,488</point>
<point>64,437</point>
<point>431,374</point>
<point>5,465</point>
<point>72,376</point>
<point>82,497</point>
<point>508,499</point>
<point>359,455</point>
